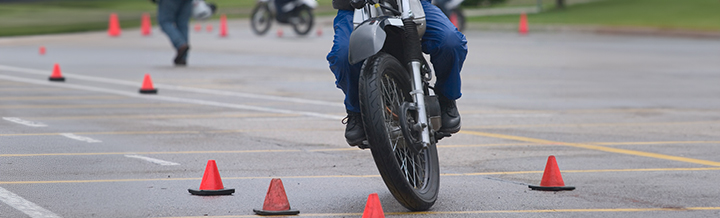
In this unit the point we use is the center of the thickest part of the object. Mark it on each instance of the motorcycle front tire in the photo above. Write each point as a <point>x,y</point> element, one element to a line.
<point>413,179</point>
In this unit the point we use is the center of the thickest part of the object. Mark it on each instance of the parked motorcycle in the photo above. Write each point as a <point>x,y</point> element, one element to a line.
<point>400,111</point>
<point>298,13</point>
<point>452,9</point>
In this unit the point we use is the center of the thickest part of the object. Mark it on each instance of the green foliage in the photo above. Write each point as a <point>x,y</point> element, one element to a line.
<point>481,2</point>
<point>669,14</point>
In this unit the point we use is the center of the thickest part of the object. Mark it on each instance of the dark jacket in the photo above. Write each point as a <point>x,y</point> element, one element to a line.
<point>342,5</point>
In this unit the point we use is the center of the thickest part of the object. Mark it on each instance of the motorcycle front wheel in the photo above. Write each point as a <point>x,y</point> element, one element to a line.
<point>412,177</point>
<point>303,22</point>
<point>261,19</point>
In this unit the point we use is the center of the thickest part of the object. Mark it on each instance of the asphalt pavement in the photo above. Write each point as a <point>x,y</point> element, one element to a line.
<point>633,121</point>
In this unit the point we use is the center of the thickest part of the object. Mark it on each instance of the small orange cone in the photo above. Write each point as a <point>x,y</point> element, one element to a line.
<point>523,28</point>
<point>42,50</point>
<point>454,20</point>
<point>373,209</point>
<point>198,27</point>
<point>145,24</point>
<point>211,183</point>
<point>319,32</point>
<point>114,25</point>
<point>209,28</point>
<point>279,32</point>
<point>551,180</point>
<point>147,86</point>
<point>56,74</point>
<point>223,25</point>
<point>276,201</point>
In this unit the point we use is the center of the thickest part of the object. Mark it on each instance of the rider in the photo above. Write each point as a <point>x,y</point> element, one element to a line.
<point>445,44</point>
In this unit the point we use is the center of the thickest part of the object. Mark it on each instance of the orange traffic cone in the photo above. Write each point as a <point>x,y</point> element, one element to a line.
<point>56,74</point>
<point>211,183</point>
<point>209,28</point>
<point>114,25</point>
<point>552,180</point>
<point>523,28</point>
<point>319,32</point>
<point>42,50</point>
<point>373,209</point>
<point>147,88</point>
<point>223,25</point>
<point>279,32</point>
<point>276,201</point>
<point>145,24</point>
<point>198,27</point>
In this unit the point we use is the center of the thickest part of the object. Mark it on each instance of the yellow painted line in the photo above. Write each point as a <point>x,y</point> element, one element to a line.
<point>655,143</point>
<point>359,176</point>
<point>581,111</point>
<point>590,125</point>
<point>595,147</point>
<point>163,116</point>
<point>54,106</point>
<point>311,150</point>
<point>582,210</point>
<point>61,97</point>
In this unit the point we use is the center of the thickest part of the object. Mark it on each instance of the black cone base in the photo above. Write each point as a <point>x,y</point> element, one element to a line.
<point>148,91</point>
<point>275,213</point>
<point>212,192</point>
<point>57,79</point>
<point>551,188</point>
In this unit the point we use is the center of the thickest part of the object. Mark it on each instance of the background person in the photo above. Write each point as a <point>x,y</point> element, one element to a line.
<point>174,18</point>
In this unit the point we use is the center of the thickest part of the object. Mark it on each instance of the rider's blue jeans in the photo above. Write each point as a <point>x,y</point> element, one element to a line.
<point>445,44</point>
<point>174,18</point>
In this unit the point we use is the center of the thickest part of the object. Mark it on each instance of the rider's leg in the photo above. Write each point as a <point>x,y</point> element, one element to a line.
<point>447,48</point>
<point>346,75</point>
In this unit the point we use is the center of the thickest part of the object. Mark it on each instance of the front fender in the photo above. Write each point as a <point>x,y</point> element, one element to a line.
<point>369,38</point>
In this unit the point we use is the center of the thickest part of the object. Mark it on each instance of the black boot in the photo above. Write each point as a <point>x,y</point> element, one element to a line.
<point>450,115</point>
<point>354,130</point>
<point>180,57</point>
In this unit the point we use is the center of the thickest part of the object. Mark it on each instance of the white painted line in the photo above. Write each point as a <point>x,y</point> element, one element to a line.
<point>179,88</point>
<point>135,94</point>
<point>24,122</point>
<point>152,160</point>
<point>25,206</point>
<point>80,138</point>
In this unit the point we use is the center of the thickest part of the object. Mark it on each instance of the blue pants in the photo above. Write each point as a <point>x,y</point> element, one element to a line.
<point>445,44</point>
<point>174,18</point>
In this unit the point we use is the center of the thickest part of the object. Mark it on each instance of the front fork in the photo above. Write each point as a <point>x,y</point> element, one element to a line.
<point>419,96</point>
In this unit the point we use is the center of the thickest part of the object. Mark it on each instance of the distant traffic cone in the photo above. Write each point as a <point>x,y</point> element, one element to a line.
<point>276,201</point>
<point>454,20</point>
<point>373,209</point>
<point>147,87</point>
<point>551,180</point>
<point>223,25</point>
<point>211,183</point>
<point>145,24</point>
<point>523,28</point>
<point>319,32</point>
<point>114,25</point>
<point>56,74</point>
<point>42,50</point>
<point>209,28</point>
<point>198,27</point>
<point>280,33</point>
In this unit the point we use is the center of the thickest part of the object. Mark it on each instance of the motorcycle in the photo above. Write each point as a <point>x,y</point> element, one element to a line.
<point>400,112</point>
<point>298,13</point>
<point>452,9</point>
